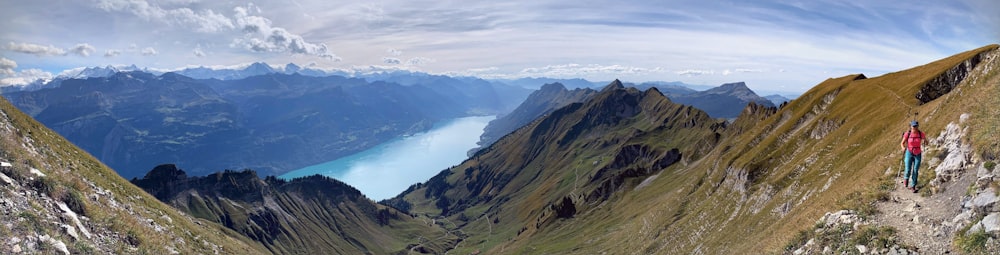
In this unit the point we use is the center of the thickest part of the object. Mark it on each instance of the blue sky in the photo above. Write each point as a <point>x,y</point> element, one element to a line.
<point>772,45</point>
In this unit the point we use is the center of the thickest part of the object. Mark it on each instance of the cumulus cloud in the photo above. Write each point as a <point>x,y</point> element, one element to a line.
<point>35,49</point>
<point>260,36</point>
<point>112,53</point>
<point>391,61</point>
<point>206,21</point>
<point>82,49</point>
<point>23,77</point>
<point>7,66</point>
<point>149,51</point>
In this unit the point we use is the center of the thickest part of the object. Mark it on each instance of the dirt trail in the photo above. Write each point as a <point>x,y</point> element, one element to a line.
<point>924,222</point>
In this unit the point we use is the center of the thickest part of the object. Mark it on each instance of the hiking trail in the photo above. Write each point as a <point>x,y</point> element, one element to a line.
<point>924,221</point>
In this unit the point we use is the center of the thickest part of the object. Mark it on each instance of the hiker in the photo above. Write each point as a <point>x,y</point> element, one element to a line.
<point>912,141</point>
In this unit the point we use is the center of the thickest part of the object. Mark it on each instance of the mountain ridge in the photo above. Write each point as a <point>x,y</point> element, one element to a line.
<point>769,174</point>
<point>312,214</point>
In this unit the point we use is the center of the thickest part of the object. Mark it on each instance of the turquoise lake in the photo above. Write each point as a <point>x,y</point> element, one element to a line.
<point>389,168</point>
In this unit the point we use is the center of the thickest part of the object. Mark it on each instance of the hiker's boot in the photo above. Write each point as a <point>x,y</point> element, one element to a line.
<point>906,183</point>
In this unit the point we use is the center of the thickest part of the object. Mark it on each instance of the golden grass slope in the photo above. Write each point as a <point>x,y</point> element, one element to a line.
<point>748,188</point>
<point>757,189</point>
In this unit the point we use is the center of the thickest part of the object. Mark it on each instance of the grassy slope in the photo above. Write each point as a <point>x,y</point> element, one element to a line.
<point>718,219</point>
<point>755,190</point>
<point>543,174</point>
<point>71,170</point>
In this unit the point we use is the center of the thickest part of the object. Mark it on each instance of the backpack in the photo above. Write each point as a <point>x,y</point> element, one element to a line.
<point>915,150</point>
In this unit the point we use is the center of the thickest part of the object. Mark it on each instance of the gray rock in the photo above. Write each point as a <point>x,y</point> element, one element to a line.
<point>991,223</point>
<point>985,200</point>
<point>71,231</point>
<point>6,180</point>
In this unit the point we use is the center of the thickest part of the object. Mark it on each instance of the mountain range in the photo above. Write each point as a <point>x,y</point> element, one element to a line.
<point>725,101</point>
<point>623,171</point>
<point>272,123</point>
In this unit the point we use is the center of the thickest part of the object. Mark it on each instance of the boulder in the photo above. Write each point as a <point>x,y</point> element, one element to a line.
<point>985,200</point>
<point>991,223</point>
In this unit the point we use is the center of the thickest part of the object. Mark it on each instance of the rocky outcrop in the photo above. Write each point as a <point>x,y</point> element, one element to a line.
<point>630,162</point>
<point>845,232</point>
<point>955,154</point>
<point>947,81</point>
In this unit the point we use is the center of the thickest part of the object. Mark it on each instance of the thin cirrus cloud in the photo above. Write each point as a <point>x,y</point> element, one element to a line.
<point>206,21</point>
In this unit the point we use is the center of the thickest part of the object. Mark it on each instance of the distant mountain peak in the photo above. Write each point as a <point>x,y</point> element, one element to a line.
<point>553,87</point>
<point>291,68</point>
<point>614,85</point>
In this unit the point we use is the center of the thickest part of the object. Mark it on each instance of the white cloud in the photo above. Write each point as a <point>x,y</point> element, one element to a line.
<point>206,21</point>
<point>7,66</point>
<point>391,61</point>
<point>24,77</point>
<point>260,36</point>
<point>419,61</point>
<point>35,49</point>
<point>149,51</point>
<point>694,72</point>
<point>82,49</point>
<point>198,52</point>
<point>112,53</point>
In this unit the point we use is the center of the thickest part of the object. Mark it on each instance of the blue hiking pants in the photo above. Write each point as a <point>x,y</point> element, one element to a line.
<point>911,163</point>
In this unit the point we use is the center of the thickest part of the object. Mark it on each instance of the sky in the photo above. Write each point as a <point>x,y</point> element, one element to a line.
<point>771,45</point>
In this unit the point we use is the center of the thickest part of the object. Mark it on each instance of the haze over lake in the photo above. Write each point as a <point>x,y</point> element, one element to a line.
<point>389,168</point>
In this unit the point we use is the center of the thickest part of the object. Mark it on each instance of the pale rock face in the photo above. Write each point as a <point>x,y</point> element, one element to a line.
<point>959,154</point>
